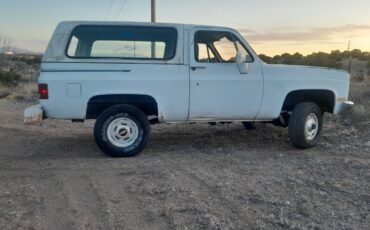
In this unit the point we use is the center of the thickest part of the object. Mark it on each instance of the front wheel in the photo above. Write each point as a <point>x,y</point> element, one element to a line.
<point>305,125</point>
<point>122,131</point>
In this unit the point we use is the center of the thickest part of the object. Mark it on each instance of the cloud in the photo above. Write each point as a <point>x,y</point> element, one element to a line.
<point>307,34</point>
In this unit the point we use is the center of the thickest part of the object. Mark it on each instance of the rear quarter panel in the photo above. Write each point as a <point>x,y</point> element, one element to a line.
<point>167,84</point>
<point>166,81</point>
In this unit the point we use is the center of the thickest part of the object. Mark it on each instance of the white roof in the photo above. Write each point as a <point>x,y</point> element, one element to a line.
<point>66,26</point>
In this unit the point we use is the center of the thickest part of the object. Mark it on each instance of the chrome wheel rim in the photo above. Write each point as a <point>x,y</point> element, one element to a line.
<point>122,132</point>
<point>311,127</point>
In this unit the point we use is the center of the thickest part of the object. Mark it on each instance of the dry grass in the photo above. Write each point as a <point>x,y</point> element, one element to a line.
<point>26,91</point>
<point>4,92</point>
<point>18,77</point>
<point>360,95</point>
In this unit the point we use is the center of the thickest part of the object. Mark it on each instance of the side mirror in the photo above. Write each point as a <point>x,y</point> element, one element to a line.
<point>241,62</point>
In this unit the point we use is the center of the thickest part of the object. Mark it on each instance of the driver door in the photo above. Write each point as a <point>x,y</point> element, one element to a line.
<point>218,91</point>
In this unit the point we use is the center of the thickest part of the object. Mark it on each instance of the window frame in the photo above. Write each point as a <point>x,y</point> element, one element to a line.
<point>235,38</point>
<point>124,58</point>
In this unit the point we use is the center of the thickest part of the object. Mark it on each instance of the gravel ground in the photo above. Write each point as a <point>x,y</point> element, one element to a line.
<point>189,177</point>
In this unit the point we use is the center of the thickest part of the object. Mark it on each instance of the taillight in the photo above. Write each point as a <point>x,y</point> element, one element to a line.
<point>43,91</point>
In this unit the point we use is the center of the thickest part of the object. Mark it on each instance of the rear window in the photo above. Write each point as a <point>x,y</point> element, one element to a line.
<point>126,42</point>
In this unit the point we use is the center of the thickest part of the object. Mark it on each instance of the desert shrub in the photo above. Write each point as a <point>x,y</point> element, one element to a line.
<point>358,78</point>
<point>321,59</point>
<point>9,78</point>
<point>35,60</point>
<point>360,95</point>
<point>331,60</point>
<point>336,55</point>
<point>4,93</point>
<point>266,58</point>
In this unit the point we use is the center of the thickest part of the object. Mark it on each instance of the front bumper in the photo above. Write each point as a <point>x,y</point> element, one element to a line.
<point>346,107</point>
<point>33,115</point>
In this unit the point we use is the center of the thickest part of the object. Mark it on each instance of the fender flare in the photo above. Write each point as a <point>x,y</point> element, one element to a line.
<point>98,104</point>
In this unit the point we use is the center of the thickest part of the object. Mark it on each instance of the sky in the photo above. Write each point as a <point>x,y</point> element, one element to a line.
<point>270,26</point>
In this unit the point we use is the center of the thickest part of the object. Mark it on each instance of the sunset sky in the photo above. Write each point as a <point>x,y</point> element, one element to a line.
<point>270,26</point>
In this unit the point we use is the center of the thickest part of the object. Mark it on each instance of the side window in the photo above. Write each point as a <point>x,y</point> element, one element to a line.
<point>128,49</point>
<point>126,42</point>
<point>244,51</point>
<point>226,48</point>
<point>205,53</point>
<point>72,49</point>
<point>218,46</point>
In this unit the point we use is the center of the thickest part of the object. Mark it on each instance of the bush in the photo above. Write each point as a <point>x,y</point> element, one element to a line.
<point>360,95</point>
<point>9,78</point>
<point>4,93</point>
<point>266,58</point>
<point>35,60</point>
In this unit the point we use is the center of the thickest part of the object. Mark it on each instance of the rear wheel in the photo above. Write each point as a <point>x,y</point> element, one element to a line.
<point>305,125</point>
<point>122,131</point>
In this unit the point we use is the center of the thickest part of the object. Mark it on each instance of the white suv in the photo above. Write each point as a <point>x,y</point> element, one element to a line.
<point>131,75</point>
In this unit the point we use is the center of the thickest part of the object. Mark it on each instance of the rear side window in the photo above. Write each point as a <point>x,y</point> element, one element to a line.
<point>126,42</point>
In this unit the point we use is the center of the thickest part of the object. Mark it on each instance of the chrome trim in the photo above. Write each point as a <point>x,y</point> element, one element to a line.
<point>346,107</point>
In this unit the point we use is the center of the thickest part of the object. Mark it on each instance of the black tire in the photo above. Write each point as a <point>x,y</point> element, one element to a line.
<point>297,125</point>
<point>135,117</point>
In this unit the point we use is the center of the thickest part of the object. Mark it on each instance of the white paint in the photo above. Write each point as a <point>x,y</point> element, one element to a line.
<point>214,92</point>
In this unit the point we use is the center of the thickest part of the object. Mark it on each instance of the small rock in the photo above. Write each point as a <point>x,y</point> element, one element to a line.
<point>367,144</point>
<point>322,193</point>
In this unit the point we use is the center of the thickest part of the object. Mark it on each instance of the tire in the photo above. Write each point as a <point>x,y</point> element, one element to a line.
<point>122,131</point>
<point>305,125</point>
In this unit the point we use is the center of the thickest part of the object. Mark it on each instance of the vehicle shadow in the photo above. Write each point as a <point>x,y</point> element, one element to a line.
<point>165,139</point>
<point>213,139</point>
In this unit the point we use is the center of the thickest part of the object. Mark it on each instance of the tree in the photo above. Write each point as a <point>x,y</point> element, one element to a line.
<point>336,55</point>
<point>266,58</point>
<point>321,59</point>
<point>277,59</point>
<point>356,53</point>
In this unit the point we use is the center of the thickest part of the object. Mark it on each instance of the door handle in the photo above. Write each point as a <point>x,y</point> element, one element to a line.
<point>197,67</point>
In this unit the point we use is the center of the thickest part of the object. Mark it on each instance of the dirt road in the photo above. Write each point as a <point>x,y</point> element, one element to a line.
<point>189,177</point>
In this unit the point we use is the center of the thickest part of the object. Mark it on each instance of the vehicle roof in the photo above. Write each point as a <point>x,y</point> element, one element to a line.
<point>67,25</point>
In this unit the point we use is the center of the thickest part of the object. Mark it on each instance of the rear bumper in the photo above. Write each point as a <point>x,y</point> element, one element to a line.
<point>33,115</point>
<point>346,107</point>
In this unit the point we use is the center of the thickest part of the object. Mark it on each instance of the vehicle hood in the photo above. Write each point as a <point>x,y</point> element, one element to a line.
<point>304,72</point>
